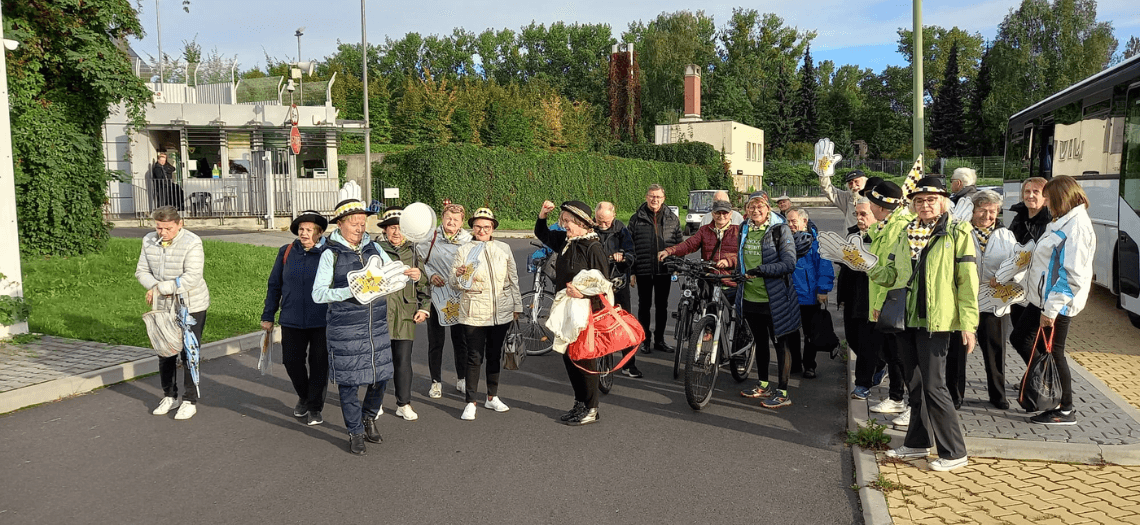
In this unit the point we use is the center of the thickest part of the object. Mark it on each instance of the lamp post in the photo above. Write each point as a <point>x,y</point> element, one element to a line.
<point>367,128</point>
<point>919,128</point>
<point>300,32</point>
<point>158,24</point>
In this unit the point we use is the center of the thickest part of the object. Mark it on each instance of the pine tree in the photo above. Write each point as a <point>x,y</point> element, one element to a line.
<point>946,116</point>
<point>807,125</point>
<point>982,86</point>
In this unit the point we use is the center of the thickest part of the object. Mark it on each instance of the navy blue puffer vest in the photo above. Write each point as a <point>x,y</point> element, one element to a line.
<point>360,350</point>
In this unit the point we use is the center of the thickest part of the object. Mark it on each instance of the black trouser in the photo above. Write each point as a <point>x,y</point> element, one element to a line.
<point>759,317</point>
<point>402,370</point>
<point>868,351</point>
<point>1024,334</point>
<point>956,369</point>
<point>623,300</point>
<point>484,342</point>
<point>647,287</point>
<point>935,414</point>
<point>991,339</point>
<point>305,353</point>
<point>809,317</point>
<point>900,375</point>
<point>436,338</point>
<point>585,384</point>
<point>168,365</point>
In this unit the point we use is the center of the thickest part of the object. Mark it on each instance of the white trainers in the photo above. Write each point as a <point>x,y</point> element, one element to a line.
<point>461,385</point>
<point>186,411</point>
<point>167,404</point>
<point>943,465</point>
<point>903,420</point>
<point>889,406</point>
<point>407,413</point>
<point>905,452</point>
<point>436,391</point>
<point>468,412</point>
<point>495,404</point>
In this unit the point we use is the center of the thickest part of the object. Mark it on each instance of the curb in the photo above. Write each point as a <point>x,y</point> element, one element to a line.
<point>875,510</point>
<point>80,384</point>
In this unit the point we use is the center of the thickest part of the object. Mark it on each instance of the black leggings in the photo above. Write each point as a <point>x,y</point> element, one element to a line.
<point>402,365</point>
<point>437,336</point>
<point>585,385</point>
<point>167,366</point>
<point>484,342</point>
<point>305,353</point>
<point>759,317</point>
<point>1025,332</point>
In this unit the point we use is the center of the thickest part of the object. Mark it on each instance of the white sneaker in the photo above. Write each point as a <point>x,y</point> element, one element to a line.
<point>889,406</point>
<point>186,411</point>
<point>407,413</point>
<point>436,391</point>
<point>905,452</point>
<point>461,385</point>
<point>495,404</point>
<point>943,465</point>
<point>166,405</point>
<point>468,412</point>
<point>903,420</point>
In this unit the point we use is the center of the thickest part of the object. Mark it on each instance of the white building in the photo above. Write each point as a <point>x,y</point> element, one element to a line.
<point>743,145</point>
<point>229,145</point>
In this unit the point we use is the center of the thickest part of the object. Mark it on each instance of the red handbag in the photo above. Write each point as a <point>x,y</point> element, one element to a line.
<point>610,330</point>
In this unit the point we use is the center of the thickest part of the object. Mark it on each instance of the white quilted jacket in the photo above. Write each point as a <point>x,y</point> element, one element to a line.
<point>183,259</point>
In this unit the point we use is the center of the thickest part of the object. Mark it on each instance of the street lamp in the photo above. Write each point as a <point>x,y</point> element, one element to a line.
<point>300,32</point>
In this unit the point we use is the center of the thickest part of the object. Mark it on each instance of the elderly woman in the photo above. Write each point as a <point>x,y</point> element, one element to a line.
<point>290,289</point>
<point>438,254</point>
<point>484,269</point>
<point>934,259</point>
<point>767,254</point>
<point>406,308</point>
<point>1057,286</point>
<point>171,265</point>
<point>579,250</point>
<point>993,243</point>
<point>360,346</point>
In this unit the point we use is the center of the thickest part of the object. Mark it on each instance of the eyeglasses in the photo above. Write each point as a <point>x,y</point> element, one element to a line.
<point>482,228</point>
<point>926,201</point>
<point>655,197</point>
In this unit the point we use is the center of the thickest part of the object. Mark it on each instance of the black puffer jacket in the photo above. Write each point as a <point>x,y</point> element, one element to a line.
<point>616,239</point>
<point>1026,228</point>
<point>652,232</point>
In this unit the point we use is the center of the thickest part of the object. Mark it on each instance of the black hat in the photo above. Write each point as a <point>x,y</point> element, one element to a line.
<point>314,217</point>
<point>580,210</point>
<point>929,184</point>
<point>348,207</point>
<point>721,206</point>
<point>886,194</point>
<point>483,213</point>
<point>391,216</point>
<point>871,182</point>
<point>852,175</point>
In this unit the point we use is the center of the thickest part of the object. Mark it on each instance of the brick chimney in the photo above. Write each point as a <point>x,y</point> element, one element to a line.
<point>692,94</point>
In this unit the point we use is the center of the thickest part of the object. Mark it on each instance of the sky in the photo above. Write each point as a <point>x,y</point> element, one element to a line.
<point>862,33</point>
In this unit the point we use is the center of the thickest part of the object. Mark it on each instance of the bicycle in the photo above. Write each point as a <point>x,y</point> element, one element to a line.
<point>536,338</point>
<point>691,289</point>
<point>716,319</point>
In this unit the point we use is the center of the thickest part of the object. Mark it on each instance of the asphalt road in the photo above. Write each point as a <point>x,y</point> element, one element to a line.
<point>103,458</point>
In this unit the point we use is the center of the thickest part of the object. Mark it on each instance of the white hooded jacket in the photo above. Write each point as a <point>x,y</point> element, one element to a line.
<point>1061,271</point>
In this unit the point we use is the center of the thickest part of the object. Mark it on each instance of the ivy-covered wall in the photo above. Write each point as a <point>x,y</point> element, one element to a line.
<point>514,183</point>
<point>62,81</point>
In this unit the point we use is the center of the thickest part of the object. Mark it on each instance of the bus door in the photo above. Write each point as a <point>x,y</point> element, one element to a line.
<point>1128,252</point>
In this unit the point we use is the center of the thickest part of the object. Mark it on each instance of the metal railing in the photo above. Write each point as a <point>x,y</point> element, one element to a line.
<point>221,197</point>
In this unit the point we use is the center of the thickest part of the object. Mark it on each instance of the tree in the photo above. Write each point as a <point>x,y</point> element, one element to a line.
<point>946,126</point>
<point>936,45</point>
<point>981,143</point>
<point>885,118</point>
<point>807,119</point>
<point>63,79</point>
<point>1132,48</point>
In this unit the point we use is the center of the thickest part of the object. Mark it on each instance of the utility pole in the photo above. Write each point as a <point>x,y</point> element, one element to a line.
<point>161,57</point>
<point>299,34</point>
<point>367,128</point>
<point>12,283</point>
<point>919,138</point>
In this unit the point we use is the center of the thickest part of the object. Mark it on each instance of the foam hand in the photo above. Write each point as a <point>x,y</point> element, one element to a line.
<point>351,190</point>
<point>850,251</point>
<point>997,298</point>
<point>377,279</point>
<point>825,159</point>
<point>1013,267</point>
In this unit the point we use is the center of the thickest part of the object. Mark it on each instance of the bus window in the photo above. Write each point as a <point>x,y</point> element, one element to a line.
<point>1130,179</point>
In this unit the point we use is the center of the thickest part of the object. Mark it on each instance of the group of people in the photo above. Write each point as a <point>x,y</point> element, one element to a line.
<point>465,284</point>
<point>938,255</point>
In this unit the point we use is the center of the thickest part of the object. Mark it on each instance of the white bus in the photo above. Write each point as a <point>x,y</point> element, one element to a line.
<point>1090,131</point>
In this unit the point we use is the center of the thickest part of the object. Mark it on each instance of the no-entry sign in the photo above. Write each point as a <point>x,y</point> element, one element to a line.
<point>295,140</point>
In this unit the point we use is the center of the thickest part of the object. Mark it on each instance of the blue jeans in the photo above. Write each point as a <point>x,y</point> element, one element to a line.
<point>351,409</point>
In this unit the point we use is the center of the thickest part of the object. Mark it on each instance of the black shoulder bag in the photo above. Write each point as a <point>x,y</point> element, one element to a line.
<point>892,317</point>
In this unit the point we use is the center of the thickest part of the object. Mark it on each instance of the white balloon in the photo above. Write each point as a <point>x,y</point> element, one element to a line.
<point>417,221</point>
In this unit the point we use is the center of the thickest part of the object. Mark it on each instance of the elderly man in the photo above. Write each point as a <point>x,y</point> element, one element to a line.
<point>814,278</point>
<point>654,227</point>
<point>853,294</point>
<point>784,203</point>
<point>963,184</point>
<point>617,244</point>
<point>735,217</point>
<point>845,199</point>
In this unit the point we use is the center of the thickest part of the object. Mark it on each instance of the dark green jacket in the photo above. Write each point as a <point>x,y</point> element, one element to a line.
<point>402,305</point>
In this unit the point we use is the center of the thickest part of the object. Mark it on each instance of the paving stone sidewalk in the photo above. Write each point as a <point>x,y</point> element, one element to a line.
<point>52,358</point>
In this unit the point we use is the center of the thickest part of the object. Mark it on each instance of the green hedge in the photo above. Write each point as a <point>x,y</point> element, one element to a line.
<point>514,183</point>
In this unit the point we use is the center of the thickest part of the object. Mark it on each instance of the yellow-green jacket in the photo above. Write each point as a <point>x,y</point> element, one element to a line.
<point>944,295</point>
<point>883,237</point>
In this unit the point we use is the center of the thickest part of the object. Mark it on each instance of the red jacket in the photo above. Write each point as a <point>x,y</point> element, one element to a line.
<point>706,240</point>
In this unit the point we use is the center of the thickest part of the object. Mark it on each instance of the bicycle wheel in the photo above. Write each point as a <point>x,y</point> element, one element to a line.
<point>681,337</point>
<point>741,364</point>
<point>537,339</point>
<point>700,364</point>
<point>606,381</point>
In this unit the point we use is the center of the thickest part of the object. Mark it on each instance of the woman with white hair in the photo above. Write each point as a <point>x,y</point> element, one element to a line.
<point>994,243</point>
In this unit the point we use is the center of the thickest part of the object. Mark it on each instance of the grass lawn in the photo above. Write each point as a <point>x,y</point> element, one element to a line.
<point>96,297</point>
